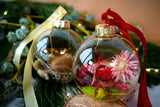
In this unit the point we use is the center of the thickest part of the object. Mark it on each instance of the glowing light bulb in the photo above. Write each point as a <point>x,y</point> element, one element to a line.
<point>68,94</point>
<point>156,70</point>
<point>137,49</point>
<point>79,24</point>
<point>5,12</point>
<point>148,69</point>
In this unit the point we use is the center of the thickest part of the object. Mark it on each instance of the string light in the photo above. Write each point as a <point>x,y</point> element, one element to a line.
<point>156,70</point>
<point>152,69</point>
<point>137,49</point>
<point>68,94</point>
<point>5,12</point>
<point>148,69</point>
<point>79,24</point>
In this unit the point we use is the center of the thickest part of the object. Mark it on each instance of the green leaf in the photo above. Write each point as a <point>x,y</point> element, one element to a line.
<point>7,67</point>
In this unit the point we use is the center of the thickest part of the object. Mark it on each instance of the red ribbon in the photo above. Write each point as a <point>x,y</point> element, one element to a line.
<point>112,18</point>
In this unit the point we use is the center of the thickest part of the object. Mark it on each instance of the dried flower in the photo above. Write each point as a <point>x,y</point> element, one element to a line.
<point>124,66</point>
<point>103,73</point>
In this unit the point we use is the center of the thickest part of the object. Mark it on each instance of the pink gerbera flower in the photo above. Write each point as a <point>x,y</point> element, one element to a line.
<point>124,66</point>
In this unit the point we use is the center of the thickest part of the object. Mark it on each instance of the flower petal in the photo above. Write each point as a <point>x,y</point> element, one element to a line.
<point>128,71</point>
<point>125,62</point>
<point>125,54</point>
<point>117,78</point>
<point>131,57</point>
<point>133,74</point>
<point>90,68</point>
<point>133,62</point>
<point>127,77</point>
<point>115,73</point>
<point>133,67</point>
<point>123,77</point>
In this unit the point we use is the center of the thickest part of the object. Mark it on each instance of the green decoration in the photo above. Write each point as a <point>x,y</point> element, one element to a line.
<point>11,36</point>
<point>25,51</point>
<point>20,34</point>
<point>101,94</point>
<point>75,14</point>
<point>90,18</point>
<point>9,83</point>
<point>7,67</point>
<point>90,91</point>
<point>24,21</point>
<point>16,43</point>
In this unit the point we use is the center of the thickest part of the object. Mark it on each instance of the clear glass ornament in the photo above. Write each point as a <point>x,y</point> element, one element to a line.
<point>106,66</point>
<point>54,50</point>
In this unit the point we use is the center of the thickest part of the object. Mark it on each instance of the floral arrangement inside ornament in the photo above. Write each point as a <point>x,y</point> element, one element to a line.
<point>57,65</point>
<point>107,78</point>
<point>54,51</point>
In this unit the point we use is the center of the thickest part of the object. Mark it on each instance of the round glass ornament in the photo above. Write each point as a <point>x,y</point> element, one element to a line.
<point>54,50</point>
<point>106,66</point>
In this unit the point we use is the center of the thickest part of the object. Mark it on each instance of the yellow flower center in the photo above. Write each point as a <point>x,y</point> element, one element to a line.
<point>121,65</point>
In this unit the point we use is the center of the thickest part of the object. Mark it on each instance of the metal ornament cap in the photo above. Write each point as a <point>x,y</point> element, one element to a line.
<point>61,24</point>
<point>105,30</point>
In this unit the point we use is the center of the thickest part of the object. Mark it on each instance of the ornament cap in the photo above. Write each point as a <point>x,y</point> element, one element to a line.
<point>61,24</point>
<point>105,30</point>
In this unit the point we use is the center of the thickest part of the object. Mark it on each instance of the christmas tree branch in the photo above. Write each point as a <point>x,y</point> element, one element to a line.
<point>87,32</point>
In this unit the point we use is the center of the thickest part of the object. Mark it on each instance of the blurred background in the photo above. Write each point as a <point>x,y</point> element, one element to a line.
<point>144,13</point>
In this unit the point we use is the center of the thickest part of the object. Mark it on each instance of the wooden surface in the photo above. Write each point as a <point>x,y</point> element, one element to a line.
<point>83,100</point>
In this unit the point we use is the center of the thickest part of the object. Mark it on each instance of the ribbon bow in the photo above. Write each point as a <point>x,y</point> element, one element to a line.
<point>112,18</point>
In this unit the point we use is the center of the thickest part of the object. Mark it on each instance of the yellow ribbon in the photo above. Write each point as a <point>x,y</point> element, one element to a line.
<point>28,91</point>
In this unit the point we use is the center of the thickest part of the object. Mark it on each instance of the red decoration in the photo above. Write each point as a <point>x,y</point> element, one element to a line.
<point>103,73</point>
<point>112,18</point>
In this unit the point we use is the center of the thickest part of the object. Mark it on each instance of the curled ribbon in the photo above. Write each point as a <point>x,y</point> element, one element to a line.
<point>112,18</point>
<point>28,91</point>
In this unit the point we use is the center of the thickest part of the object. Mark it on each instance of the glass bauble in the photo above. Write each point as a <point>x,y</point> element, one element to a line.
<point>106,65</point>
<point>54,50</point>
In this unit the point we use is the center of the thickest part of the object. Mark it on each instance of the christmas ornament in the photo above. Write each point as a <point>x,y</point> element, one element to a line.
<point>112,18</point>
<point>106,65</point>
<point>54,49</point>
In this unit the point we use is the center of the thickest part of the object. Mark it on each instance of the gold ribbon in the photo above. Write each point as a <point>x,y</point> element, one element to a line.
<point>28,91</point>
